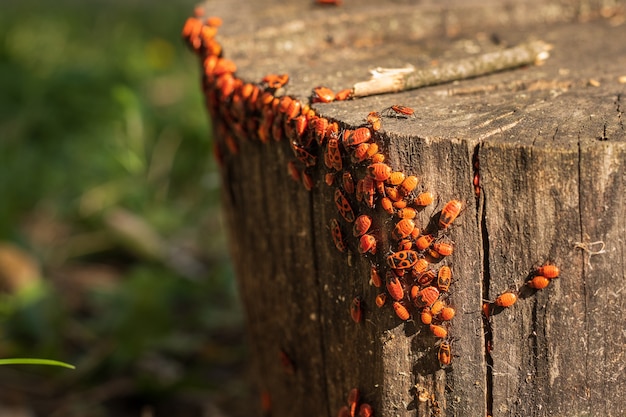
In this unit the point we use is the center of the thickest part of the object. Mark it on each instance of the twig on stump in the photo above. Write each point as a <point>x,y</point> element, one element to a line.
<point>395,80</point>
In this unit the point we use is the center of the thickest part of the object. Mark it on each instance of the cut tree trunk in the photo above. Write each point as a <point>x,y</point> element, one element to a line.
<point>537,156</point>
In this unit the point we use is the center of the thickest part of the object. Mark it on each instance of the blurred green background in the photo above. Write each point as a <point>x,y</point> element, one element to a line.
<point>112,253</point>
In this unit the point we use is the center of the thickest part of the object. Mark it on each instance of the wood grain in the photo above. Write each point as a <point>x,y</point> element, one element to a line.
<point>550,142</point>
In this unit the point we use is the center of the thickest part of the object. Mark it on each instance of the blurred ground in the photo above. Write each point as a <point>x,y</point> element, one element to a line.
<point>112,255</point>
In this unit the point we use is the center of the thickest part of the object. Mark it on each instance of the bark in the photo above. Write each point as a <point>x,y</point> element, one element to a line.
<point>548,145</point>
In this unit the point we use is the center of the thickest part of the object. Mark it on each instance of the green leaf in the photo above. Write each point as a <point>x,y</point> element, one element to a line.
<point>31,361</point>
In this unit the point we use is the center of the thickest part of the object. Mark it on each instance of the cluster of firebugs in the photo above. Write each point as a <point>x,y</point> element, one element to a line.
<point>414,283</point>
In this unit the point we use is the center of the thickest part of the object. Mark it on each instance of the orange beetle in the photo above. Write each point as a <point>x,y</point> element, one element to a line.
<point>408,185</point>
<point>436,308</point>
<point>476,182</point>
<point>359,193</point>
<point>407,213</point>
<point>320,126</point>
<point>334,155</point>
<point>300,125</point>
<point>192,27</point>
<point>294,173</point>
<point>365,410</point>
<point>381,299</point>
<point>401,311</point>
<point>426,277</point>
<point>373,118</point>
<point>424,242</point>
<point>346,93</point>
<point>538,282</point>
<point>343,206</point>
<point>377,158</point>
<point>444,355</point>
<point>335,230</point>
<point>360,135</point>
<point>379,171</point>
<point>443,248</point>
<point>549,271</point>
<point>392,193</point>
<point>224,66</point>
<point>375,279</point>
<point>348,183</point>
<point>405,244</point>
<point>420,267</point>
<point>428,295</point>
<point>400,111</point>
<point>361,225</point>
<point>329,178</point>
<point>387,205</point>
<point>353,400</point>
<point>424,199</point>
<point>322,95</point>
<point>403,229</point>
<point>303,155</point>
<point>400,204</point>
<point>444,278</point>
<point>290,107</point>
<point>307,181</point>
<point>434,254</point>
<point>487,307</point>
<point>439,331</point>
<point>367,243</point>
<point>356,311</point>
<point>449,212</point>
<point>394,287</point>
<point>506,299</point>
<point>396,178</point>
<point>360,152</point>
<point>403,259</point>
<point>447,314</point>
<point>426,316</point>
<point>368,191</point>
<point>275,81</point>
<point>373,150</point>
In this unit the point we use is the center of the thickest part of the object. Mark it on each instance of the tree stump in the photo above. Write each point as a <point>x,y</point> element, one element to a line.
<point>536,155</point>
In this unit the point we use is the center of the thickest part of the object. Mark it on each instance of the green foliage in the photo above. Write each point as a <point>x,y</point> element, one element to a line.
<point>101,113</point>
<point>95,94</point>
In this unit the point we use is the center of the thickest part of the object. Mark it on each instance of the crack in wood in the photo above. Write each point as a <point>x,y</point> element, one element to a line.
<point>487,331</point>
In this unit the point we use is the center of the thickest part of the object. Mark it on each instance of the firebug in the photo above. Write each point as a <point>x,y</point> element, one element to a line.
<point>401,311</point>
<point>548,271</point>
<point>444,278</point>
<point>403,229</point>
<point>538,282</point>
<point>438,331</point>
<point>449,212</point>
<point>444,355</point>
<point>367,243</point>
<point>343,206</point>
<point>361,225</point>
<point>403,259</point>
<point>506,299</point>
<point>335,231</point>
<point>394,287</point>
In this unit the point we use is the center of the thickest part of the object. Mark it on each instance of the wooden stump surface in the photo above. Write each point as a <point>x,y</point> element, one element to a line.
<point>550,142</point>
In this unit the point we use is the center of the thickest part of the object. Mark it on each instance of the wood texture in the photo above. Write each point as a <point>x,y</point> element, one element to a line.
<point>550,141</point>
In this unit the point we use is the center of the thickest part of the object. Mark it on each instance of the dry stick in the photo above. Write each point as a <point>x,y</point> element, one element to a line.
<point>392,81</point>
